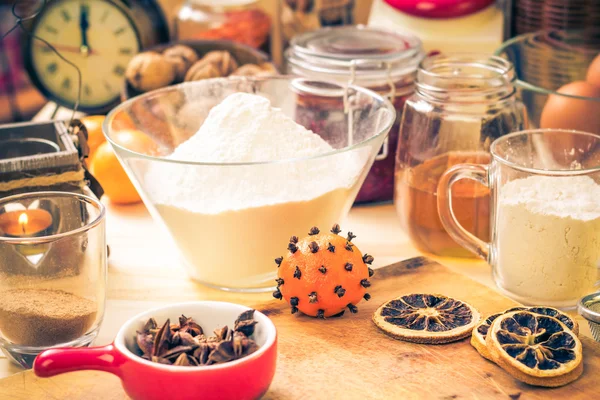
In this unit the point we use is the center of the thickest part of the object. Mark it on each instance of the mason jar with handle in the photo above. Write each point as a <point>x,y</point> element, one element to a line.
<point>462,102</point>
<point>545,214</point>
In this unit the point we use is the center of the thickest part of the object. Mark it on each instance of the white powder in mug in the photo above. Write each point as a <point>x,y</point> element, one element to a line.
<point>548,238</point>
<point>231,221</point>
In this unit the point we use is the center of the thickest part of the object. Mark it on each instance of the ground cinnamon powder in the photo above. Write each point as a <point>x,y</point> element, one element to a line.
<point>42,317</point>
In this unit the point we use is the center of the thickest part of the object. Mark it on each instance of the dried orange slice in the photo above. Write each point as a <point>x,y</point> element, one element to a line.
<point>481,329</point>
<point>426,318</point>
<point>535,349</point>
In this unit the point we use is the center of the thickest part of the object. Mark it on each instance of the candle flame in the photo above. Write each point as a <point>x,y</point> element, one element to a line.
<point>23,220</point>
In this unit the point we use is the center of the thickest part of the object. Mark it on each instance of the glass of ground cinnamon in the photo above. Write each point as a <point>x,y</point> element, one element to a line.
<point>53,259</point>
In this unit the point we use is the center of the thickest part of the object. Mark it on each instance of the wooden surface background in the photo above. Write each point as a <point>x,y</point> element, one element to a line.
<point>350,358</point>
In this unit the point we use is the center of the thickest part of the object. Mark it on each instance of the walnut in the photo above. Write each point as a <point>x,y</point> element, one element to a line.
<point>148,71</point>
<point>222,60</point>
<point>182,57</point>
<point>264,69</point>
<point>201,71</point>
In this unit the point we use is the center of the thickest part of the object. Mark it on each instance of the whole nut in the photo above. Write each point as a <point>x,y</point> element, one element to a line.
<point>269,68</point>
<point>200,71</point>
<point>264,69</point>
<point>148,71</point>
<point>247,70</point>
<point>222,60</point>
<point>182,57</point>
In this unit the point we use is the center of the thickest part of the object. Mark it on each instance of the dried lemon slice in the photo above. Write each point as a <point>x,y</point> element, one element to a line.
<point>426,318</point>
<point>536,349</point>
<point>481,329</point>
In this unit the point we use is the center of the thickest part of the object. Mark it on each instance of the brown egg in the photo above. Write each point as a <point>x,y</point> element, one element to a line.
<point>593,73</point>
<point>562,112</point>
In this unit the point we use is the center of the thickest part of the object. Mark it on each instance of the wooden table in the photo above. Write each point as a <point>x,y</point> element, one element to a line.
<point>144,271</point>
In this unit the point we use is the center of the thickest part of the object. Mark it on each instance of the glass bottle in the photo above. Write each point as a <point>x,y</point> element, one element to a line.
<point>462,102</point>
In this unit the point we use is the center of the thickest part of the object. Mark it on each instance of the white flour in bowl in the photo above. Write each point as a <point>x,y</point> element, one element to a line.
<point>231,221</point>
<point>548,238</point>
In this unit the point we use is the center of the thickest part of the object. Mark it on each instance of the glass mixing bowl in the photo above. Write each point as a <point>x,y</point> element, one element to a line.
<point>231,220</point>
<point>550,67</point>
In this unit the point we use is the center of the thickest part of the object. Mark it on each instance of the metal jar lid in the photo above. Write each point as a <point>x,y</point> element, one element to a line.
<point>589,308</point>
<point>367,55</point>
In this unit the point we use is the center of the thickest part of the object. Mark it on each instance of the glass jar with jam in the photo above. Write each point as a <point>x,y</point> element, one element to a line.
<point>380,60</point>
<point>462,102</point>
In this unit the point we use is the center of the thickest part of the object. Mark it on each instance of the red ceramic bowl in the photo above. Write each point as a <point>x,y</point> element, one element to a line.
<point>246,378</point>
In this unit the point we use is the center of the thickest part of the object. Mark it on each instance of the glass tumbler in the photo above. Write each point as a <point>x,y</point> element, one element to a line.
<point>545,214</point>
<point>52,272</point>
<point>461,104</point>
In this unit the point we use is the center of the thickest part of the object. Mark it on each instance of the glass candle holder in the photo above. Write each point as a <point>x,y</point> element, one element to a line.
<point>52,272</point>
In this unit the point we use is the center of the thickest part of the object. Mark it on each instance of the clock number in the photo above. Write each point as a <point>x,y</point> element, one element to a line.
<point>119,70</point>
<point>51,29</point>
<point>66,84</point>
<point>52,68</point>
<point>65,14</point>
<point>119,31</point>
<point>87,90</point>
<point>125,51</point>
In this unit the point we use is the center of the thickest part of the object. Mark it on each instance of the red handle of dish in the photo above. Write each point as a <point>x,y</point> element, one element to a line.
<point>58,361</point>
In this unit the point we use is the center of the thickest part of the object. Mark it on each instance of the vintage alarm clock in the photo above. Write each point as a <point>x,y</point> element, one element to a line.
<point>100,37</point>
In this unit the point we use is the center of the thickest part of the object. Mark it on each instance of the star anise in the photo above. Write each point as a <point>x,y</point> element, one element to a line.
<point>162,340</point>
<point>184,343</point>
<point>245,323</point>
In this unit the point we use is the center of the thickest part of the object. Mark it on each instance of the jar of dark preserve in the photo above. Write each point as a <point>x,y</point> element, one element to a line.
<point>377,59</point>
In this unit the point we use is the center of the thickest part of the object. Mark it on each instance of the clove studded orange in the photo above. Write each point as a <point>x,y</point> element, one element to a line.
<point>323,274</point>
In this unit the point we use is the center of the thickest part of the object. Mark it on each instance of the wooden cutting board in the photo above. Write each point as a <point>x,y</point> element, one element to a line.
<point>350,358</point>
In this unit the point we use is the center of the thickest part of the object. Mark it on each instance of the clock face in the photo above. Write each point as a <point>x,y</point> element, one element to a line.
<point>95,35</point>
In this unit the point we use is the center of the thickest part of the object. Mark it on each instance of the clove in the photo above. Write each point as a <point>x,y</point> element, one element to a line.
<point>297,273</point>
<point>278,261</point>
<point>367,259</point>
<point>314,231</point>
<point>351,236</point>
<point>340,291</point>
<point>336,229</point>
<point>314,247</point>
<point>312,297</point>
<point>353,309</point>
<point>348,267</point>
<point>322,269</point>
<point>331,248</point>
<point>365,283</point>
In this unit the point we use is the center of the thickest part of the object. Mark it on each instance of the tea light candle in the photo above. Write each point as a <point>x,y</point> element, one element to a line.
<point>25,223</point>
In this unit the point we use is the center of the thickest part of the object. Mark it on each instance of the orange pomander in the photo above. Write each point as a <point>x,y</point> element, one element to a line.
<point>323,273</point>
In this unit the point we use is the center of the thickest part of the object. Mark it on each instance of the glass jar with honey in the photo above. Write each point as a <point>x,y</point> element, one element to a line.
<point>462,102</point>
<point>377,59</point>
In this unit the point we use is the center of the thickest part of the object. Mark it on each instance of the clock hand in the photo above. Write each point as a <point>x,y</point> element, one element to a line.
<point>83,26</point>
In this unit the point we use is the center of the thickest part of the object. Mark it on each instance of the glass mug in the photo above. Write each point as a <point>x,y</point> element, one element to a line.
<point>545,214</point>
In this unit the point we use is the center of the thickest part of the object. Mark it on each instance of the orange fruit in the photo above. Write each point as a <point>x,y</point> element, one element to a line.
<point>136,141</point>
<point>114,180</point>
<point>323,274</point>
<point>93,124</point>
